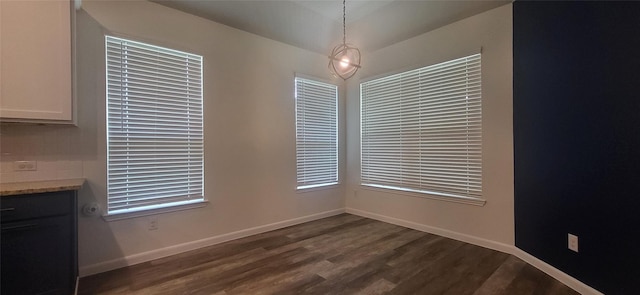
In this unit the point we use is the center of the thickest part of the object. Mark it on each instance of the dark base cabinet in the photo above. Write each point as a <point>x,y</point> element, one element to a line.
<point>39,244</point>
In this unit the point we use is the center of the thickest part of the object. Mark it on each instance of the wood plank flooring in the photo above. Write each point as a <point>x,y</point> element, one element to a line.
<point>344,254</point>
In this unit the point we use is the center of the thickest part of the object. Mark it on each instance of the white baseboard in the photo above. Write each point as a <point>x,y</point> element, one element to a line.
<point>435,230</point>
<point>180,248</point>
<point>564,278</point>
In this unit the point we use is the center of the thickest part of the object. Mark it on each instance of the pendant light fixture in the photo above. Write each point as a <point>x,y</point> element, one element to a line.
<point>344,60</point>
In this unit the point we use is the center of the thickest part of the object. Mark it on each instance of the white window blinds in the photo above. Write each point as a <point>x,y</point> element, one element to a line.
<point>154,127</point>
<point>316,133</point>
<point>422,130</point>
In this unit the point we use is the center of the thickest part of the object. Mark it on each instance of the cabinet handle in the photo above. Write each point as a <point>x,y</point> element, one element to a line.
<point>22,226</point>
<point>7,209</point>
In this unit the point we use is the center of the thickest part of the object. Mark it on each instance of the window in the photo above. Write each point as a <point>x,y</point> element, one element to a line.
<point>154,127</point>
<point>422,130</point>
<point>316,133</point>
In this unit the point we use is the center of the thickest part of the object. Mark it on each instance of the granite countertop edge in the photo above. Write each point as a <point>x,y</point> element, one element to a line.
<point>34,187</point>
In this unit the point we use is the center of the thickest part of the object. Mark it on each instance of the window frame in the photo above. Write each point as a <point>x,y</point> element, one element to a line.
<point>336,151</point>
<point>422,192</point>
<point>192,108</point>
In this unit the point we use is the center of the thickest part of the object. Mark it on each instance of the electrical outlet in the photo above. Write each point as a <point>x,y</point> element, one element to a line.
<point>573,243</point>
<point>153,223</point>
<point>25,166</point>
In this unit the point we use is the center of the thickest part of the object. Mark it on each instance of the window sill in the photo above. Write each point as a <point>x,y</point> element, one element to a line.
<point>129,215</point>
<point>453,199</point>
<point>317,188</point>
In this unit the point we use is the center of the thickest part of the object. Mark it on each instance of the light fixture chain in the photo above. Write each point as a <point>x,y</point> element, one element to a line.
<point>344,21</point>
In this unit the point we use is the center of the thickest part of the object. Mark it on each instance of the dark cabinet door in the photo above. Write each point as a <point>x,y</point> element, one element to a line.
<point>36,258</point>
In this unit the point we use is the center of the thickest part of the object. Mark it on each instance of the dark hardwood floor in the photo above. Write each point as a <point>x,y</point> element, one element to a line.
<point>344,254</point>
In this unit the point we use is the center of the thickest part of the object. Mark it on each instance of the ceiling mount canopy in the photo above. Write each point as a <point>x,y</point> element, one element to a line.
<point>344,60</point>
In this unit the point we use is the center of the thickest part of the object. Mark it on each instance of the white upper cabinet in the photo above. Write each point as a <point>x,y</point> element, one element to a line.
<point>36,78</point>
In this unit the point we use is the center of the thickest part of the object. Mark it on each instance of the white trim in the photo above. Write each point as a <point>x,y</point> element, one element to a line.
<point>317,188</point>
<point>434,230</point>
<point>193,245</point>
<point>557,274</point>
<point>566,279</point>
<point>425,195</point>
<point>147,212</point>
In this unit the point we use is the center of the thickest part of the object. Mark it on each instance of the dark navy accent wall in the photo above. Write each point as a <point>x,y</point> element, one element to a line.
<point>577,138</point>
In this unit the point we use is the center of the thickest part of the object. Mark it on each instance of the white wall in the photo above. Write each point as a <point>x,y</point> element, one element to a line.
<point>250,164</point>
<point>250,134</point>
<point>493,223</point>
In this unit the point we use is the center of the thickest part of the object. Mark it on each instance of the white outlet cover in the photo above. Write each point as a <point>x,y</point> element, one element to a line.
<point>572,242</point>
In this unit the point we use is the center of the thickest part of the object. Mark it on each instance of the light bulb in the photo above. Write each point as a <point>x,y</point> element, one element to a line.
<point>344,62</point>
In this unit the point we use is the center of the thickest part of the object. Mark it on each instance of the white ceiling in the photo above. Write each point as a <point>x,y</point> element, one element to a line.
<point>316,25</point>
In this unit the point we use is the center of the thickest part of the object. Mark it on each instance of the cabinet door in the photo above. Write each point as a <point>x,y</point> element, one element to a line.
<point>35,60</point>
<point>36,256</point>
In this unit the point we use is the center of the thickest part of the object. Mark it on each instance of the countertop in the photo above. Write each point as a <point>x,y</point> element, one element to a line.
<point>33,187</point>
